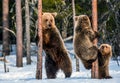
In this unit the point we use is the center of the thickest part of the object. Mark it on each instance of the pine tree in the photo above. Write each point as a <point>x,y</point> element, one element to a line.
<point>19,34</point>
<point>27,20</point>
<point>6,48</point>
<point>39,56</point>
<point>73,7</point>
<point>94,70</point>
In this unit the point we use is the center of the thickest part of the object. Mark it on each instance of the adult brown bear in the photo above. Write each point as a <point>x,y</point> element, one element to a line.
<point>57,56</point>
<point>83,41</point>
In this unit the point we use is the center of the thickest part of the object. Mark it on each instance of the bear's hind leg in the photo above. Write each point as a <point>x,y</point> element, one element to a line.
<point>93,53</point>
<point>108,77</point>
<point>87,64</point>
<point>51,67</point>
<point>66,67</point>
<point>67,74</point>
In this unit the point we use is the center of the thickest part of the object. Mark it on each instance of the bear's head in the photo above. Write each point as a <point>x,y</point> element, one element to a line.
<point>106,50</point>
<point>48,20</point>
<point>82,21</point>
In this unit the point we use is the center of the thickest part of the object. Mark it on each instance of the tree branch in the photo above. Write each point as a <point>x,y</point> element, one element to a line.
<point>68,38</point>
<point>8,30</point>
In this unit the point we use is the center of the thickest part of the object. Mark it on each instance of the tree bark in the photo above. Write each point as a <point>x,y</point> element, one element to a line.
<point>64,28</point>
<point>6,48</point>
<point>19,62</point>
<point>39,56</point>
<point>27,15</point>
<point>73,8</point>
<point>94,70</point>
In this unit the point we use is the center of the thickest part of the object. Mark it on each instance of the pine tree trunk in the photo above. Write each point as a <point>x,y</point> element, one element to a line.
<point>64,29</point>
<point>77,59</point>
<point>6,48</point>
<point>27,31</point>
<point>39,57</point>
<point>19,62</point>
<point>94,70</point>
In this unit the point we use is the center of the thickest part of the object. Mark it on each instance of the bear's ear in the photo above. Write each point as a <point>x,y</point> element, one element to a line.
<point>85,17</point>
<point>54,14</point>
<point>76,18</point>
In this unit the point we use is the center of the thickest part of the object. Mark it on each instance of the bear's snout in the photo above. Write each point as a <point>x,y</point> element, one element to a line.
<point>49,25</point>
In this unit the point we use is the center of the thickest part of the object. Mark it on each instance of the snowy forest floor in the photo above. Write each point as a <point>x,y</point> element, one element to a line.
<point>26,74</point>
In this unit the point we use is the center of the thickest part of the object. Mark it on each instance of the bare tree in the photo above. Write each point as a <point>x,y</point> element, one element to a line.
<point>6,48</point>
<point>19,34</point>
<point>73,7</point>
<point>64,29</point>
<point>39,57</point>
<point>94,71</point>
<point>27,20</point>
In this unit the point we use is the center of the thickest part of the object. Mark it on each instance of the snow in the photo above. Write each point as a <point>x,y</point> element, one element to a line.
<point>26,74</point>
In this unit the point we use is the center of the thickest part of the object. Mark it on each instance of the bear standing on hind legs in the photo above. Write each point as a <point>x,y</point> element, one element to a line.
<point>103,59</point>
<point>83,41</point>
<point>57,56</point>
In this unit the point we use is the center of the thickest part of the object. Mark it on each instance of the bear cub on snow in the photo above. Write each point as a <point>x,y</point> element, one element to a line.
<point>57,56</point>
<point>83,41</point>
<point>103,59</point>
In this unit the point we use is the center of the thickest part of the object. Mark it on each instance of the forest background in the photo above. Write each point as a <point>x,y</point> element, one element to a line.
<point>108,19</point>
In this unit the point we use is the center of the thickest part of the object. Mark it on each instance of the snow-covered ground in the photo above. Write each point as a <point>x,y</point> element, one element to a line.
<point>26,74</point>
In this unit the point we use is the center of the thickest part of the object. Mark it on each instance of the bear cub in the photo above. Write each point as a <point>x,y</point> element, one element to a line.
<point>83,41</point>
<point>103,59</point>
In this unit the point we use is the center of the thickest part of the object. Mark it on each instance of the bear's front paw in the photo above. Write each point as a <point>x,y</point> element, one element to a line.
<point>88,65</point>
<point>97,35</point>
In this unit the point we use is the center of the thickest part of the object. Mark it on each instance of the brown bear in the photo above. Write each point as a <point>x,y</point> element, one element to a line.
<point>57,56</point>
<point>103,59</point>
<point>83,41</point>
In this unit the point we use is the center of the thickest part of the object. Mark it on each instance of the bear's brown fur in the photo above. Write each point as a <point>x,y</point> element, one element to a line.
<point>104,58</point>
<point>57,56</point>
<point>83,41</point>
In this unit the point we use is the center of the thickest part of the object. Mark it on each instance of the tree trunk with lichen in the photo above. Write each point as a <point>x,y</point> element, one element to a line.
<point>27,20</point>
<point>77,59</point>
<point>6,47</point>
<point>19,54</point>
<point>39,56</point>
